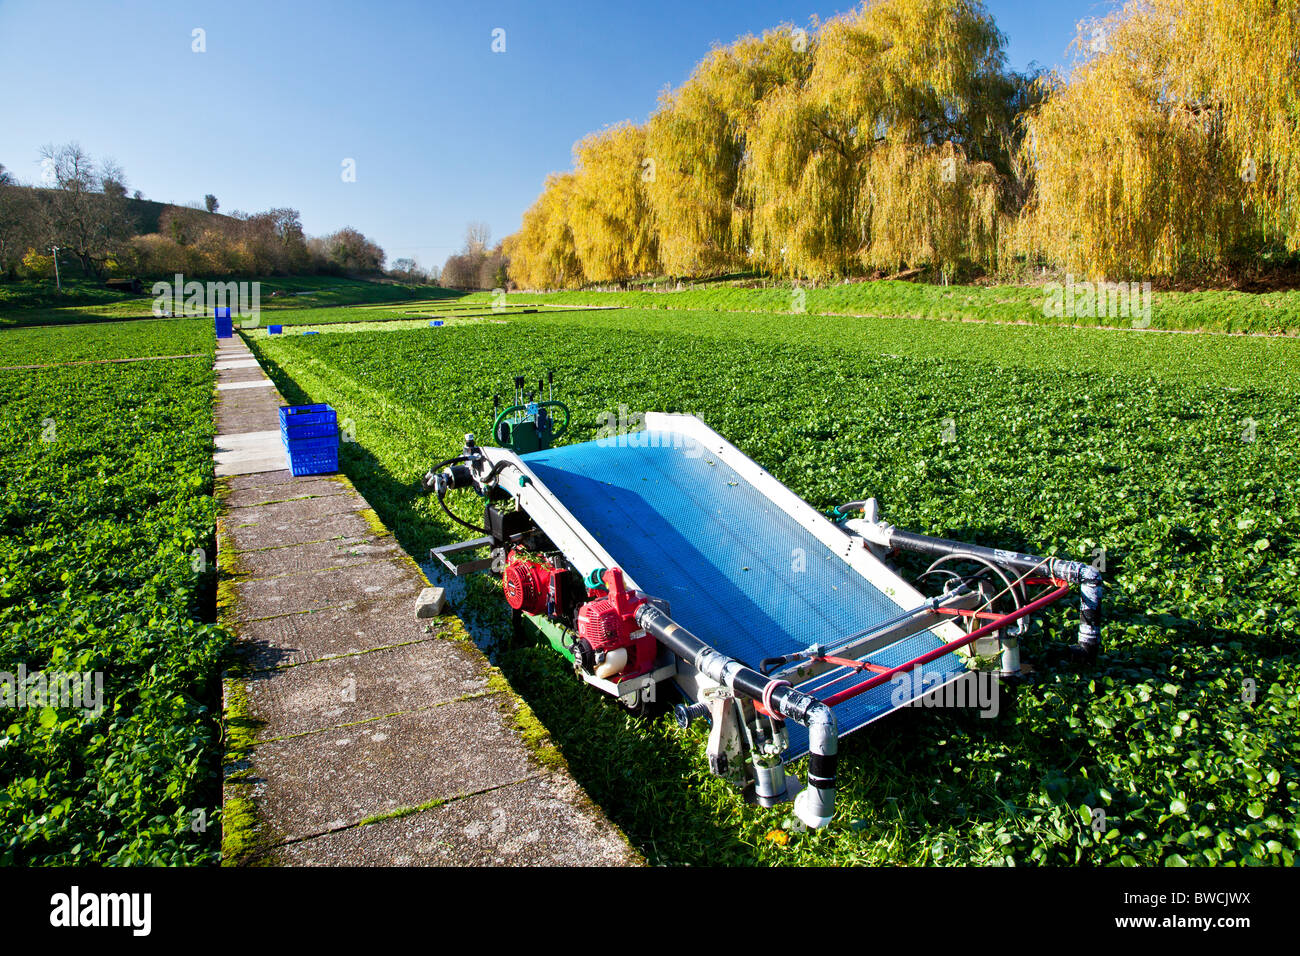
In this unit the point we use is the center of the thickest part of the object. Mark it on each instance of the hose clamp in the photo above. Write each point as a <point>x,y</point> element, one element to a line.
<point>768,690</point>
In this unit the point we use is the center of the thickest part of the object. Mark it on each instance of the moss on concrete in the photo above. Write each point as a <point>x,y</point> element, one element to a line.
<point>452,628</point>
<point>531,730</point>
<point>371,519</point>
<point>244,837</point>
<point>227,604</point>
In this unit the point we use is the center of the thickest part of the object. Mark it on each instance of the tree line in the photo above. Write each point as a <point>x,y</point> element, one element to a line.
<point>894,138</point>
<point>82,208</point>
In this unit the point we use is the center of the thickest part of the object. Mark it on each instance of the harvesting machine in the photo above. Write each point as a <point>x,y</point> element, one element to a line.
<point>665,564</point>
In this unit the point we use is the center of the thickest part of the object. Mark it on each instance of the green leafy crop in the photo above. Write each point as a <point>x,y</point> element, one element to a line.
<point>106,535</point>
<point>1181,468</point>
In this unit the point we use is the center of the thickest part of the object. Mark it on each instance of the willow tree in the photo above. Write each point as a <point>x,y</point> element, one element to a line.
<point>1136,173</point>
<point>697,141</point>
<point>1239,62</point>
<point>901,90</point>
<point>931,206</point>
<point>613,231</point>
<point>543,254</point>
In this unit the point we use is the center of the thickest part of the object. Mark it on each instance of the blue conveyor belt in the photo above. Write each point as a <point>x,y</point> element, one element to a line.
<point>737,571</point>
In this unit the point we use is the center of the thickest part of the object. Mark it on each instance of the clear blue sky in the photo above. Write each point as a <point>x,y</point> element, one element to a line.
<point>443,130</point>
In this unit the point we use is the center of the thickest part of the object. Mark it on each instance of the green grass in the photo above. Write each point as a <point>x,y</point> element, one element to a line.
<point>32,302</point>
<point>22,295</point>
<point>1176,454</point>
<point>1217,311</point>
<point>106,547</point>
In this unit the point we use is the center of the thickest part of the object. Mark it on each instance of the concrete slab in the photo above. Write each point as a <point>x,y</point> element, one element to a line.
<point>233,386</point>
<point>236,440</point>
<point>242,374</point>
<point>247,419</point>
<point>249,466</point>
<point>283,477</point>
<point>224,363</point>
<point>307,486</point>
<point>313,590</point>
<point>546,821</point>
<point>300,638</point>
<point>295,559</point>
<point>247,534</point>
<point>329,694</point>
<point>248,400</point>
<point>249,452</point>
<point>333,779</point>
<point>281,514</point>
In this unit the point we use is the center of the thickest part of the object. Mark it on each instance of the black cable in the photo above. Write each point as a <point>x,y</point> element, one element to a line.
<point>459,519</point>
<point>496,469</point>
<point>452,461</point>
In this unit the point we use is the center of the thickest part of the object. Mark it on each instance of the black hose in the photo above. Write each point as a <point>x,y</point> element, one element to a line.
<point>443,504</point>
<point>460,520</point>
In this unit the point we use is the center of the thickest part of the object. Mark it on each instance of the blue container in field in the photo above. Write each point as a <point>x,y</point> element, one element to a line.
<point>274,329</point>
<point>224,323</point>
<point>310,434</point>
<point>311,333</point>
<point>436,322</point>
<point>313,456</point>
<point>307,421</point>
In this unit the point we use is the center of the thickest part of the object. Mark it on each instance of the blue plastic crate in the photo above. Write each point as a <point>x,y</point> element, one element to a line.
<point>313,456</point>
<point>436,323</point>
<point>307,421</point>
<point>274,329</point>
<point>225,327</point>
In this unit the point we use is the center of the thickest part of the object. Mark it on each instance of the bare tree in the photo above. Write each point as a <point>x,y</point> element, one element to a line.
<point>459,272</point>
<point>477,237</point>
<point>405,269</point>
<point>85,213</point>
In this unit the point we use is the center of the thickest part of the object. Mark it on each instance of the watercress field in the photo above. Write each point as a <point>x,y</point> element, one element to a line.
<point>106,533</point>
<point>1176,454</point>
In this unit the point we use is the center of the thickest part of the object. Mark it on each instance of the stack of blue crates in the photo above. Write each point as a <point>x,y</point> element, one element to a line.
<point>225,324</point>
<point>311,437</point>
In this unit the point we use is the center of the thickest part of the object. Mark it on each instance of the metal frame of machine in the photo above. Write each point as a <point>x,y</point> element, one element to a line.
<point>626,643</point>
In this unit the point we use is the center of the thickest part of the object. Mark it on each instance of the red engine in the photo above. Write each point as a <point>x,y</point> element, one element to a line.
<point>531,586</point>
<point>610,642</point>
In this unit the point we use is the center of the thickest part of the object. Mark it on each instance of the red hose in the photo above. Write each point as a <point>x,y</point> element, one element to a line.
<point>850,692</point>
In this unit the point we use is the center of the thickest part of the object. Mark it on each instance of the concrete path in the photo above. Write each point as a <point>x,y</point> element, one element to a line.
<point>359,734</point>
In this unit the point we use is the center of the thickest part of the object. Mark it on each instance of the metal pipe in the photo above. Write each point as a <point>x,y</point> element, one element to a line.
<point>951,646</point>
<point>815,804</point>
<point>1087,577</point>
